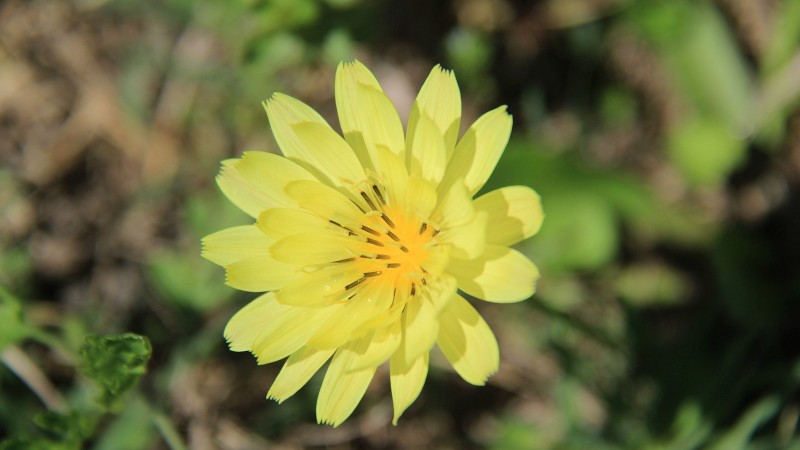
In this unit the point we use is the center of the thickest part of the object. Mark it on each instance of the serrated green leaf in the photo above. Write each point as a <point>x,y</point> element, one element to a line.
<point>115,363</point>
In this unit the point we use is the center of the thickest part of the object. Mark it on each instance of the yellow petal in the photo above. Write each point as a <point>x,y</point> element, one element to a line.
<point>277,223</point>
<point>467,342</point>
<point>455,209</point>
<point>394,176</point>
<point>406,380</point>
<point>259,274</point>
<point>368,118</point>
<point>420,328</point>
<point>318,288</point>
<point>440,99</point>
<point>343,387</point>
<point>501,275</point>
<point>256,181</point>
<point>478,150</point>
<point>515,213</point>
<point>442,291</point>
<point>269,330</point>
<point>315,248</point>
<point>233,244</point>
<point>346,321</point>
<point>438,259</point>
<point>468,240</point>
<point>420,198</point>
<point>296,372</point>
<point>326,202</point>
<point>428,151</point>
<point>382,344</point>
<point>303,135</point>
<point>285,330</point>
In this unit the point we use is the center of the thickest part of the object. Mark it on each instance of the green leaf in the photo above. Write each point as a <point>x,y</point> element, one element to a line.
<point>12,326</point>
<point>115,363</point>
<point>705,151</point>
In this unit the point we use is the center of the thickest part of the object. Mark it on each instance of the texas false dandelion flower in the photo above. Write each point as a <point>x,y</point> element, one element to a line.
<point>361,243</point>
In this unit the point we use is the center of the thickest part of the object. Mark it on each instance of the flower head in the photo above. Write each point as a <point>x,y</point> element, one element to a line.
<point>362,242</point>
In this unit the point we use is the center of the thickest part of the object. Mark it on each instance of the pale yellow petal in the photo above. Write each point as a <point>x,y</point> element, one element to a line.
<point>346,322</point>
<point>468,240</point>
<point>500,275</point>
<point>269,330</point>
<point>478,151</point>
<point>233,244</point>
<point>394,176</point>
<point>319,288</point>
<point>326,202</point>
<point>368,118</point>
<point>438,259</point>
<point>342,388</point>
<point>467,342</point>
<point>382,344</point>
<point>440,99</point>
<point>296,372</point>
<point>515,213</point>
<point>455,209</point>
<point>285,330</point>
<point>442,291</point>
<point>303,135</point>
<point>277,223</point>
<point>259,274</point>
<point>420,198</point>
<point>420,327</point>
<point>256,181</point>
<point>316,248</point>
<point>428,152</point>
<point>406,381</point>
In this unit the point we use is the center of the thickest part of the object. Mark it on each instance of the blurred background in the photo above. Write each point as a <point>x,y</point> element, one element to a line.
<point>662,135</point>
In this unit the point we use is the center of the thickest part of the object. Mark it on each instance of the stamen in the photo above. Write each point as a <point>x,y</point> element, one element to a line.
<point>357,205</point>
<point>387,220</point>
<point>374,242</point>
<point>354,284</point>
<point>378,194</point>
<point>413,289</point>
<point>368,200</point>
<point>383,257</point>
<point>423,228</point>
<point>435,232</point>
<point>372,274</point>
<point>403,248</point>
<point>393,236</point>
<point>393,265</point>
<point>370,230</point>
<point>345,260</point>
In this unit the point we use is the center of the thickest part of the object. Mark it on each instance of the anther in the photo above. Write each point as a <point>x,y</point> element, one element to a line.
<point>370,230</point>
<point>403,248</point>
<point>435,232</point>
<point>368,200</point>
<point>383,257</point>
<point>345,260</point>
<point>374,242</point>
<point>423,228</point>
<point>372,274</point>
<point>393,265</point>
<point>413,289</point>
<point>354,284</point>
<point>387,220</point>
<point>378,194</point>
<point>393,236</point>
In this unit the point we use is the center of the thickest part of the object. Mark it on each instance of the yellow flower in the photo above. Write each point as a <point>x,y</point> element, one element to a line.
<point>362,242</point>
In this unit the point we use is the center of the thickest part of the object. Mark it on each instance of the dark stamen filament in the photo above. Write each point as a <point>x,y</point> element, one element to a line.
<point>354,284</point>
<point>370,230</point>
<point>368,200</point>
<point>378,193</point>
<point>387,220</point>
<point>374,242</point>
